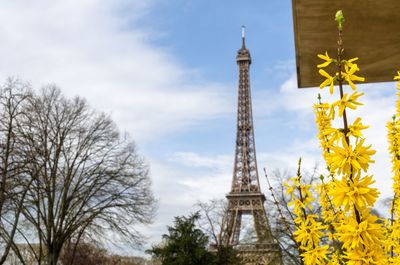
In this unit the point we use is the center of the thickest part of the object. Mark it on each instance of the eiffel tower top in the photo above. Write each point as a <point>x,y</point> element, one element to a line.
<point>243,54</point>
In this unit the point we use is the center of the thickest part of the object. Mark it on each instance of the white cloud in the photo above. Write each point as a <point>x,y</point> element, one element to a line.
<point>97,50</point>
<point>194,177</point>
<point>281,68</point>
<point>192,159</point>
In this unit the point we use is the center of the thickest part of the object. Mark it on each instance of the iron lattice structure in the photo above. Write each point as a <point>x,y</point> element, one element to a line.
<point>245,197</point>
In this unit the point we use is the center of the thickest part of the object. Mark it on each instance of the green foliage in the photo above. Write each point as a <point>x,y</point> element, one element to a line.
<point>184,245</point>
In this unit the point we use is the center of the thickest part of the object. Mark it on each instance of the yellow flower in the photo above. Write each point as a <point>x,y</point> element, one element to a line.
<point>348,102</point>
<point>309,232</point>
<point>344,159</point>
<point>306,190</point>
<point>357,192</point>
<point>315,256</point>
<point>335,259</point>
<point>356,235</point>
<point>289,189</point>
<point>356,127</point>
<point>349,75</point>
<point>326,58</point>
<point>397,77</point>
<point>366,256</point>
<point>299,206</point>
<point>334,135</point>
<point>328,82</point>
<point>394,138</point>
<point>350,61</point>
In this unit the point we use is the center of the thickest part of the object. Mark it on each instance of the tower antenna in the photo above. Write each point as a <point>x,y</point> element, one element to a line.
<point>243,35</point>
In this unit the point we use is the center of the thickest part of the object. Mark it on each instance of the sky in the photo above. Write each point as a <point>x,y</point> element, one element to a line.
<point>166,73</point>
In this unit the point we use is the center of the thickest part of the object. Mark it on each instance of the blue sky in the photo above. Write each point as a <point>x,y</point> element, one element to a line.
<point>166,72</point>
<point>205,35</point>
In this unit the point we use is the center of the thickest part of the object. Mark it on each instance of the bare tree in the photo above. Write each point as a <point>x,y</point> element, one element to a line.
<point>212,220</point>
<point>85,253</point>
<point>87,179</point>
<point>213,223</point>
<point>13,182</point>
<point>280,215</point>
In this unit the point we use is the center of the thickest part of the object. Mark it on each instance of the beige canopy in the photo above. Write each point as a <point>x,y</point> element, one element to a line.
<point>371,32</point>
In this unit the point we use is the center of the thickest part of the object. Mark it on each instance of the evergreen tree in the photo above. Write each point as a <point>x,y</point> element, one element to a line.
<point>185,244</point>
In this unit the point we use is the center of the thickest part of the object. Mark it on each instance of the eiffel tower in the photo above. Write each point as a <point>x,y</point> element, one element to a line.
<point>245,197</point>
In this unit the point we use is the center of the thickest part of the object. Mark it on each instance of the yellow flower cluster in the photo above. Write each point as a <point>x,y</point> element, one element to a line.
<point>350,68</point>
<point>309,230</point>
<point>392,242</point>
<point>354,235</point>
<point>351,233</point>
<point>331,216</point>
<point>348,160</point>
<point>356,193</point>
